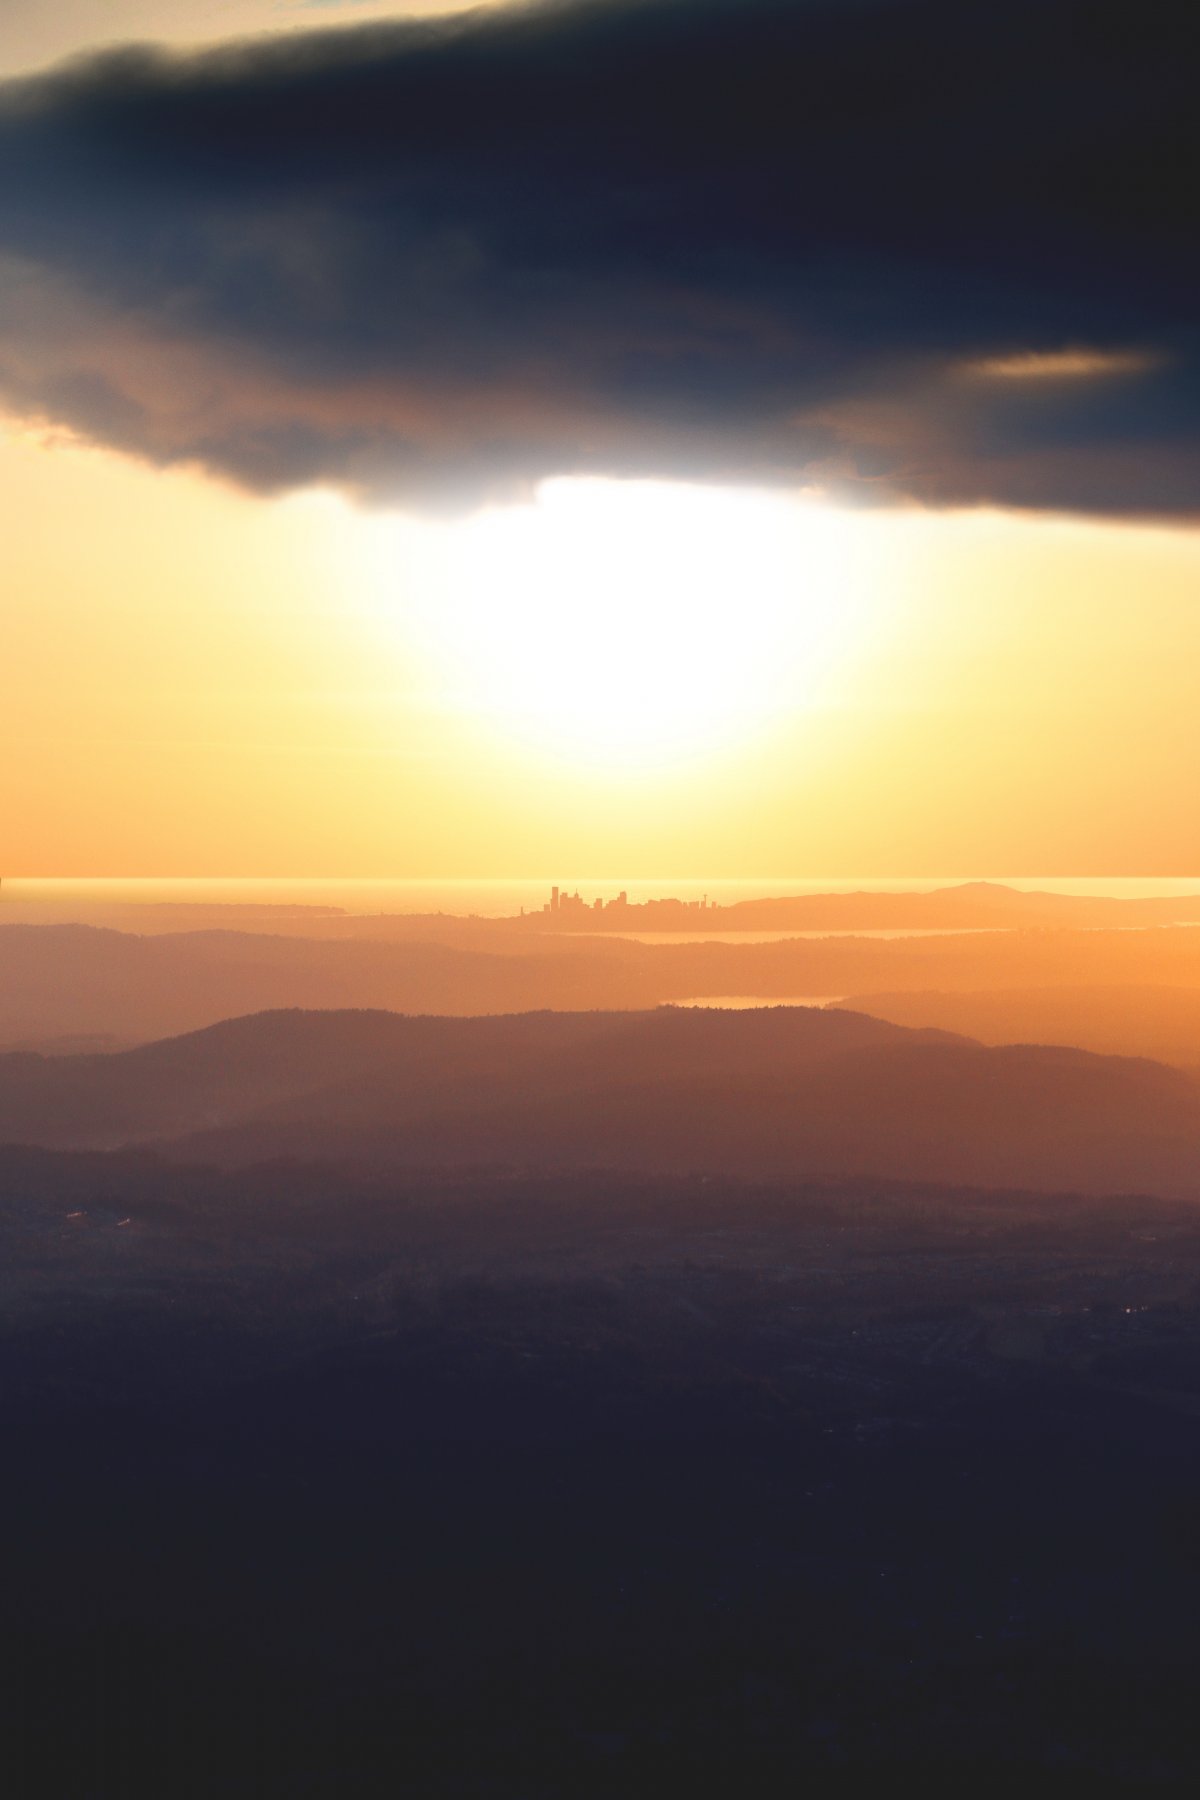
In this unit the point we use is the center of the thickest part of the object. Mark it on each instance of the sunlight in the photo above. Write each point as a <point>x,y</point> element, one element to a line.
<point>623,623</point>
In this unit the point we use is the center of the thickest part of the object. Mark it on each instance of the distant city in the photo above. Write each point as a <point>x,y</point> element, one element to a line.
<point>967,906</point>
<point>574,909</point>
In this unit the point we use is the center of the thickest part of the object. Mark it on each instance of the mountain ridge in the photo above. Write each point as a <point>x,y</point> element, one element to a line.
<point>774,1091</point>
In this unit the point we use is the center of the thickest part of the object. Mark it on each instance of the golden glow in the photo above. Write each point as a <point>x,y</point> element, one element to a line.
<point>629,625</point>
<point>195,682</point>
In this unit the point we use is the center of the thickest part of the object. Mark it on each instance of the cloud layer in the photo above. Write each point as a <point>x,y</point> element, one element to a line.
<point>901,248</point>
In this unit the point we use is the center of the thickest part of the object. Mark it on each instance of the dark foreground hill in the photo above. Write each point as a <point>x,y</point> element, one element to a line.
<point>313,1074</point>
<point>775,1092</point>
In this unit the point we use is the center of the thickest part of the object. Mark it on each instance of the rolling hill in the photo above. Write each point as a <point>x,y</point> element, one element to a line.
<point>775,1092</point>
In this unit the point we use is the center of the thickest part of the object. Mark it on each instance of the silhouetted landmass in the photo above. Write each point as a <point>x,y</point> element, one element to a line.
<point>63,982</point>
<point>968,906</point>
<point>322,1480</point>
<point>372,1069</point>
<point>57,981</point>
<point>766,1092</point>
<point>971,906</point>
<point>1161,1022</point>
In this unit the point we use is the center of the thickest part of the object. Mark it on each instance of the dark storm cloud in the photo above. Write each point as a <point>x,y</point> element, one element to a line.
<point>769,240</point>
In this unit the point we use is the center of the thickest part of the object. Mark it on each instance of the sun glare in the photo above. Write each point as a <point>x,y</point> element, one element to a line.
<point>632,623</point>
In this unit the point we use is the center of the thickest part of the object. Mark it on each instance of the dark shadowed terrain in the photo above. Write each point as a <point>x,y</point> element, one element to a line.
<point>601,1399</point>
<point>323,1480</point>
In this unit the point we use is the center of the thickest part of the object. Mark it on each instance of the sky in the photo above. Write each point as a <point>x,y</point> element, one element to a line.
<point>639,438</point>
<point>36,35</point>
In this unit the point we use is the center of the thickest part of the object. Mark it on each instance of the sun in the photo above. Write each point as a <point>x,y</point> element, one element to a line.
<point>632,624</point>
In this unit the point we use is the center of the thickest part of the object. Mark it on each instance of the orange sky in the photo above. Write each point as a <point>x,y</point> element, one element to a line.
<point>196,682</point>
